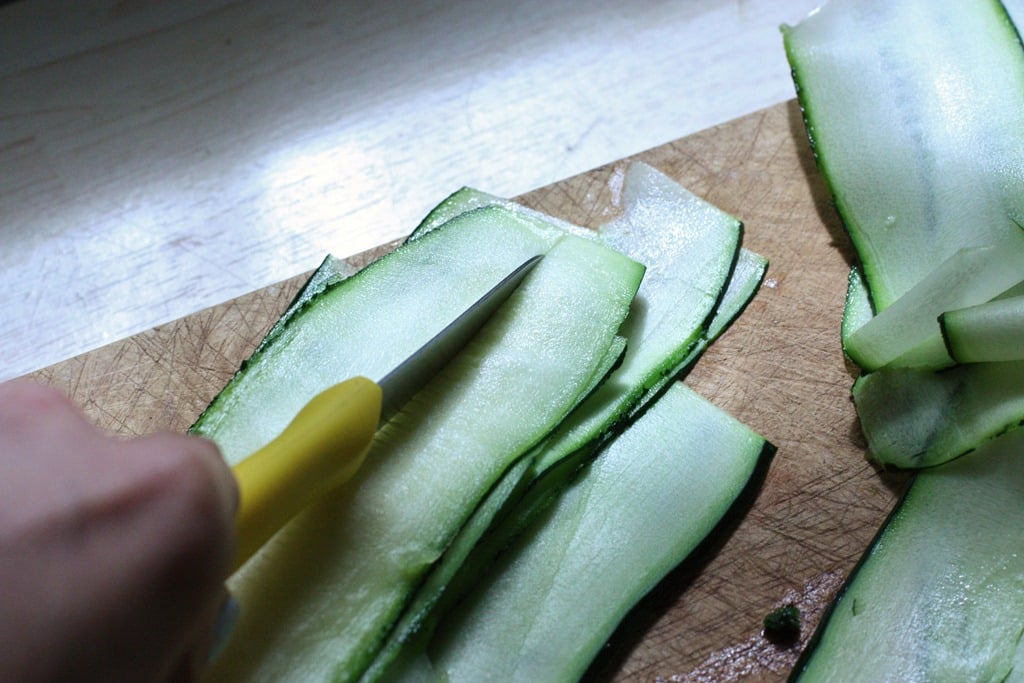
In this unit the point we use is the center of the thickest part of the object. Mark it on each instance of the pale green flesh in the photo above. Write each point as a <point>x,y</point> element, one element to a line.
<point>993,331</point>
<point>914,111</point>
<point>690,248</point>
<point>920,418</point>
<point>857,309</point>
<point>557,594</point>
<point>743,284</point>
<point>320,598</point>
<point>459,202</point>
<point>550,483</point>
<point>326,348</point>
<point>969,277</point>
<point>329,273</point>
<point>423,601</point>
<point>747,276</point>
<point>746,279</point>
<point>695,246</point>
<point>940,596</point>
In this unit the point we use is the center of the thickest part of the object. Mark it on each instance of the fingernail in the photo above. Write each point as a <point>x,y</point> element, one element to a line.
<point>227,617</point>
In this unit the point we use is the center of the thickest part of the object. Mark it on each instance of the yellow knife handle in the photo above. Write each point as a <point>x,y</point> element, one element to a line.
<point>321,448</point>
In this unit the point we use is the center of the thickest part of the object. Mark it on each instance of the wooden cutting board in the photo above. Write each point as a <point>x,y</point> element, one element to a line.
<point>779,369</point>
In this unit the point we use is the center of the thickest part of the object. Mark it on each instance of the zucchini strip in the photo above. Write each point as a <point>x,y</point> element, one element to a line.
<point>326,340</point>
<point>916,418</point>
<point>993,331</point>
<point>634,513</point>
<point>545,489</point>
<point>939,595</point>
<point>319,600</point>
<point>550,482</point>
<point>970,276</point>
<point>468,199</point>
<point>329,273</point>
<point>695,245</point>
<point>427,596</point>
<point>746,280</point>
<point>690,248</point>
<point>914,113</point>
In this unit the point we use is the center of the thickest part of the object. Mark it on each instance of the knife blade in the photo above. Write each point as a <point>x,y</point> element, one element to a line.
<point>327,441</point>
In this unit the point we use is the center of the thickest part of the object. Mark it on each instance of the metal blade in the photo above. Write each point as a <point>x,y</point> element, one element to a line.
<point>415,371</point>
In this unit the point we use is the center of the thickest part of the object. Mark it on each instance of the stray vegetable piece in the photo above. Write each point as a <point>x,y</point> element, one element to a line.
<point>782,625</point>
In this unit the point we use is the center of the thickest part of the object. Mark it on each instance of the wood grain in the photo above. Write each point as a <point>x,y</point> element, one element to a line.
<point>780,369</point>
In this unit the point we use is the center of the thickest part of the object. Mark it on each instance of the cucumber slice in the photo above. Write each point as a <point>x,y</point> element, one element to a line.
<point>744,283</point>
<point>320,599</point>
<point>459,202</point>
<point>747,277</point>
<point>546,487</point>
<point>695,245</point>
<point>424,601</point>
<point>915,418</point>
<point>511,485</point>
<point>690,248</point>
<point>549,483</point>
<point>637,511</point>
<point>939,595</point>
<point>326,341</point>
<point>914,111</point>
<point>969,277</point>
<point>993,331</point>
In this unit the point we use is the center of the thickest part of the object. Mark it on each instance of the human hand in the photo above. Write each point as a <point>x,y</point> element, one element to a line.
<point>113,553</point>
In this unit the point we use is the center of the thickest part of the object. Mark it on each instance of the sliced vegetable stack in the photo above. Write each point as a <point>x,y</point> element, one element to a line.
<point>354,559</point>
<point>915,111</point>
<point>499,449</point>
<point>557,593</point>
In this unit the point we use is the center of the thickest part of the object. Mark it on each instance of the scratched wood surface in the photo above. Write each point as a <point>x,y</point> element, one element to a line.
<point>779,369</point>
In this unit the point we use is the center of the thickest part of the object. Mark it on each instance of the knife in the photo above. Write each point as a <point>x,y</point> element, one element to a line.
<point>326,442</point>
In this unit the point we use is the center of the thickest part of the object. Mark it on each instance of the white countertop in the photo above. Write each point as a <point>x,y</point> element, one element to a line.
<point>159,158</point>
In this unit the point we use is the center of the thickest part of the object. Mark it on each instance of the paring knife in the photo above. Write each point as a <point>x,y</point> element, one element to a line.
<point>326,442</point>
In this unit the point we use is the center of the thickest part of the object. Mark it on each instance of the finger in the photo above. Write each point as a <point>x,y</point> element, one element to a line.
<point>187,476</point>
<point>208,455</point>
<point>207,640</point>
